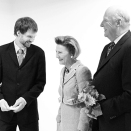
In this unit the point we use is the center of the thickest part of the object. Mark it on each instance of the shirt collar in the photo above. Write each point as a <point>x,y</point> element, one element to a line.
<point>17,48</point>
<point>118,38</point>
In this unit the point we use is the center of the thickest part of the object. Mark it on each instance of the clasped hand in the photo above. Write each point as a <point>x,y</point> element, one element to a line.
<point>18,106</point>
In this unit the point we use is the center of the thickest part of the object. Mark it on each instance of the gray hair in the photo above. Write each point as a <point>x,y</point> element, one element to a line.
<point>120,15</point>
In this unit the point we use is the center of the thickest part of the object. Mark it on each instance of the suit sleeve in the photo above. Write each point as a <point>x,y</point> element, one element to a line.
<point>119,105</point>
<point>40,81</point>
<point>83,75</point>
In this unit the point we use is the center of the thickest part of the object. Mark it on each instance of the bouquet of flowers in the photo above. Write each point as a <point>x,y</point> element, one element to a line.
<point>91,97</point>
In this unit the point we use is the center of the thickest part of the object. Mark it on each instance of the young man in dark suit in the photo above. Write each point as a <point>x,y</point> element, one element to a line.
<point>22,78</point>
<point>113,76</point>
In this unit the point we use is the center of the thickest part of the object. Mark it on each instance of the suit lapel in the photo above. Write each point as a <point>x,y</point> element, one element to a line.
<point>69,75</point>
<point>113,52</point>
<point>12,53</point>
<point>103,56</point>
<point>72,71</point>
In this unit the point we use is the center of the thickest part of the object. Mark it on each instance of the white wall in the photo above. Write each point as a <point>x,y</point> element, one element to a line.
<point>78,18</point>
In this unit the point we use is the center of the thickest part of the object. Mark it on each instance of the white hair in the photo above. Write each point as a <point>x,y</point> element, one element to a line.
<point>119,14</point>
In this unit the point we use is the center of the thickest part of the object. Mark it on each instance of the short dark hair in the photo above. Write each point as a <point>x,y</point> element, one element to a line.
<point>65,43</point>
<point>24,24</point>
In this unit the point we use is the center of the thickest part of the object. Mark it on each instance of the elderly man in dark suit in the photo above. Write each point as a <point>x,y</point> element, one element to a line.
<point>113,76</point>
<point>22,78</point>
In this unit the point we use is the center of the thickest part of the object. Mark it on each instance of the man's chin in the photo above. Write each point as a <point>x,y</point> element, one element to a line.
<point>27,45</point>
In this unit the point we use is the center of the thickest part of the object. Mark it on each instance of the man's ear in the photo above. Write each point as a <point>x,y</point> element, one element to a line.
<point>18,33</point>
<point>118,22</point>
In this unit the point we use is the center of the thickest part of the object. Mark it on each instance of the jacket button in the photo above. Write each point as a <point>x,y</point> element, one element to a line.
<point>18,84</point>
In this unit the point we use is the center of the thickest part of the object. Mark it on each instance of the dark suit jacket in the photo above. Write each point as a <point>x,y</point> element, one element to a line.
<point>113,79</point>
<point>27,80</point>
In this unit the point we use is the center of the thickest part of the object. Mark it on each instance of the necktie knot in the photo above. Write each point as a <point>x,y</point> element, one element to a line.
<point>20,51</point>
<point>111,46</point>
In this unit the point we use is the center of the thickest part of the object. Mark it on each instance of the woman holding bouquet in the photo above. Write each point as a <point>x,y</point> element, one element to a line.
<point>74,77</point>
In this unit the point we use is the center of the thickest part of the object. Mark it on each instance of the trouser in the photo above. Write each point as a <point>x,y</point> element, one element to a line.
<point>11,126</point>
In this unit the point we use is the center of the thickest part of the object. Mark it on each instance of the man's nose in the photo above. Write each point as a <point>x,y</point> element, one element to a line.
<point>101,24</point>
<point>57,56</point>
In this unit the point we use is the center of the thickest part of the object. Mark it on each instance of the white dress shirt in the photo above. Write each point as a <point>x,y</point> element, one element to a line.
<point>117,39</point>
<point>17,48</point>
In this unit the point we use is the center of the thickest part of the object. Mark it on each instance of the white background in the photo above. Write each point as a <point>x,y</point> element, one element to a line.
<point>78,18</point>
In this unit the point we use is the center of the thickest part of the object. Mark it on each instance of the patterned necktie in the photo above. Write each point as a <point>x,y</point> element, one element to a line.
<point>111,46</point>
<point>20,53</point>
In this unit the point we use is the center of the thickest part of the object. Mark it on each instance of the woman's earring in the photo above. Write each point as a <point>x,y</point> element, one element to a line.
<point>71,56</point>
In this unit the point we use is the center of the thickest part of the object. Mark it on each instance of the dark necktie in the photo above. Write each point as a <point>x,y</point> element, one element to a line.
<point>111,46</point>
<point>20,53</point>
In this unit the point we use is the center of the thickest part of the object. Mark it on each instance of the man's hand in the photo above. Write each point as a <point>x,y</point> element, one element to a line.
<point>97,111</point>
<point>19,105</point>
<point>4,105</point>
